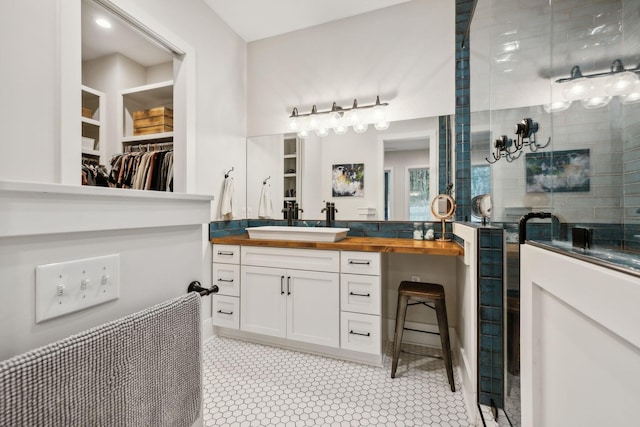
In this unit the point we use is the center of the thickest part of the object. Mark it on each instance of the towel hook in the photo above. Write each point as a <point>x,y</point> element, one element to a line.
<point>226,175</point>
<point>266,179</point>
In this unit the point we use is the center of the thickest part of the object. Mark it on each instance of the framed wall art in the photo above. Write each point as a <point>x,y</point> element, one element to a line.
<point>558,171</point>
<point>347,180</point>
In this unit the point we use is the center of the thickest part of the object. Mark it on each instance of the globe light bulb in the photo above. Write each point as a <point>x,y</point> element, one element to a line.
<point>633,96</point>
<point>360,127</point>
<point>577,89</point>
<point>381,125</point>
<point>322,132</point>
<point>314,122</point>
<point>333,119</point>
<point>620,83</point>
<point>595,102</point>
<point>556,106</point>
<point>294,124</point>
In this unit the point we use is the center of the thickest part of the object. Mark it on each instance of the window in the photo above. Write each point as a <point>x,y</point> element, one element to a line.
<point>480,180</point>
<point>418,194</point>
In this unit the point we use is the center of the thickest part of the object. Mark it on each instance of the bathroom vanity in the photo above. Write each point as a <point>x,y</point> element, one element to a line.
<point>324,297</point>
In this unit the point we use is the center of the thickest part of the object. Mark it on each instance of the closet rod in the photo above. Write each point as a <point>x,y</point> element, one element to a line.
<point>149,146</point>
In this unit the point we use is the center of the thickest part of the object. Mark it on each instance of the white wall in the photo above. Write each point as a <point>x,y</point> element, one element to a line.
<point>403,53</point>
<point>144,281</point>
<point>157,262</point>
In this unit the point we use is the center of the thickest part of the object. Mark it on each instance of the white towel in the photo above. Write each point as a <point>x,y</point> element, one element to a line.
<point>265,209</point>
<point>226,202</point>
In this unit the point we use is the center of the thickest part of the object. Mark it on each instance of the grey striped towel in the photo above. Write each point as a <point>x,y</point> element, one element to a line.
<point>141,370</point>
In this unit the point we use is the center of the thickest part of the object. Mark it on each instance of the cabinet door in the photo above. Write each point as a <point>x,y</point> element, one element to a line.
<point>313,307</point>
<point>263,303</point>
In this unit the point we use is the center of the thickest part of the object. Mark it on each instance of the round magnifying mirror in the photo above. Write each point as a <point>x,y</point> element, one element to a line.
<point>481,207</point>
<point>443,207</point>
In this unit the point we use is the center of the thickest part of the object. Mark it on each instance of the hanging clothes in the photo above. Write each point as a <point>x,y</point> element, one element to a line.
<point>94,174</point>
<point>227,203</point>
<point>138,170</point>
<point>265,207</point>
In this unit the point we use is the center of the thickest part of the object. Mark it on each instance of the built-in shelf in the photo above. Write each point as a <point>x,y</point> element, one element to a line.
<point>143,98</point>
<point>291,161</point>
<point>94,153</point>
<point>154,137</point>
<point>92,121</point>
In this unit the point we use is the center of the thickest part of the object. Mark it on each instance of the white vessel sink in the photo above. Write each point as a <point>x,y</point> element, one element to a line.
<point>303,234</point>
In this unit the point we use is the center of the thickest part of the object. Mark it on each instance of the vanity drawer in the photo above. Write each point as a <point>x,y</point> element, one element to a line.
<point>227,277</point>
<point>226,311</point>
<point>228,254</point>
<point>360,262</point>
<point>360,332</point>
<point>297,259</point>
<point>360,293</point>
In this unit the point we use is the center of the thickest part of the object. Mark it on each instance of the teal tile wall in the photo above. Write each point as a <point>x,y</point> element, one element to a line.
<point>394,229</point>
<point>463,113</point>
<point>444,166</point>
<point>490,313</point>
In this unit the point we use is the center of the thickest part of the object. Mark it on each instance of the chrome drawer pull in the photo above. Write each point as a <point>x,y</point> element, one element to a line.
<point>225,280</point>
<point>227,253</point>
<point>359,333</point>
<point>356,262</point>
<point>225,312</point>
<point>359,295</point>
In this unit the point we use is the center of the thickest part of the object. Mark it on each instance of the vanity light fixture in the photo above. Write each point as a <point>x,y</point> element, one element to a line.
<point>339,119</point>
<point>596,90</point>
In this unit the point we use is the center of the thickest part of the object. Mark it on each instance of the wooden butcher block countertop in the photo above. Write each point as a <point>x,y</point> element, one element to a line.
<point>364,244</point>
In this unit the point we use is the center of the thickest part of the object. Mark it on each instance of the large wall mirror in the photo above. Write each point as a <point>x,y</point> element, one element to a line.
<point>376,175</point>
<point>128,75</point>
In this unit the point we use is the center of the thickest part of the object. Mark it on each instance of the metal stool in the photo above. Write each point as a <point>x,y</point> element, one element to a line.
<point>422,292</point>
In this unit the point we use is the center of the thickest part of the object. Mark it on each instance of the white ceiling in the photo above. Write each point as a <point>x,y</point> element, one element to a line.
<point>259,19</point>
<point>98,42</point>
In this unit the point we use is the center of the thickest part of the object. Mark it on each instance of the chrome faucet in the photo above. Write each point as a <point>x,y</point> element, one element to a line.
<point>330,212</point>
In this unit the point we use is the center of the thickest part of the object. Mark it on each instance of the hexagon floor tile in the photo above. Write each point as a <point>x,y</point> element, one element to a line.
<point>247,384</point>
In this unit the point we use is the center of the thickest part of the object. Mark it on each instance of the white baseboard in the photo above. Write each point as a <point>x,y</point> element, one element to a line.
<point>206,330</point>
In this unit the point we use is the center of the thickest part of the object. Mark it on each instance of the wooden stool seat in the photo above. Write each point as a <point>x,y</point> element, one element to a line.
<point>421,291</point>
<point>417,290</point>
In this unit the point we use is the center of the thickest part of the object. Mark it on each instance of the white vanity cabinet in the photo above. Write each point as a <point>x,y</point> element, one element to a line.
<point>291,293</point>
<point>361,302</point>
<point>225,273</point>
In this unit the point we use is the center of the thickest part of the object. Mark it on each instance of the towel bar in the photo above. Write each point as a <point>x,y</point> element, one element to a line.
<point>195,287</point>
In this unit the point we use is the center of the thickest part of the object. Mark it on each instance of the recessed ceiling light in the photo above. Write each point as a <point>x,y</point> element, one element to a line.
<point>103,23</point>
